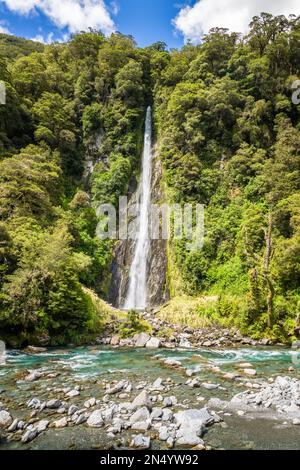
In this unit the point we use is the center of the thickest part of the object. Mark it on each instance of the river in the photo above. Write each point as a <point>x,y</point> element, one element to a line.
<point>90,370</point>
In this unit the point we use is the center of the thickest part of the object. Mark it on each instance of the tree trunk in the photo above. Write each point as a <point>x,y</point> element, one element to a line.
<point>270,303</point>
<point>267,262</point>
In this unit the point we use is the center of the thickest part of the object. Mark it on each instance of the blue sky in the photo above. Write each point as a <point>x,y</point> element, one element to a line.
<point>147,20</point>
<point>172,21</point>
<point>150,20</point>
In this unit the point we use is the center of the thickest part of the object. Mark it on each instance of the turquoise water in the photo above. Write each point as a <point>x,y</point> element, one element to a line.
<point>89,362</point>
<point>92,367</point>
<point>84,364</point>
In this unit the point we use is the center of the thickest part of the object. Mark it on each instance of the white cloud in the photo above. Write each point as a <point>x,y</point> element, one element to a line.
<point>3,27</point>
<point>4,30</point>
<point>114,7</point>
<point>76,15</point>
<point>45,40</point>
<point>49,39</point>
<point>21,6</point>
<point>235,15</point>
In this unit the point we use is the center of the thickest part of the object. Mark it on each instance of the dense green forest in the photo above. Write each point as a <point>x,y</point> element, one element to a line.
<point>228,137</point>
<point>58,103</point>
<point>13,46</point>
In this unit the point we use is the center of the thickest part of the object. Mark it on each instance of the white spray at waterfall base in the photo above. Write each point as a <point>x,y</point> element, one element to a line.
<point>137,291</point>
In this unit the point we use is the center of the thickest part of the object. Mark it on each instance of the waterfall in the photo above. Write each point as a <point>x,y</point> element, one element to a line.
<point>2,353</point>
<point>137,295</point>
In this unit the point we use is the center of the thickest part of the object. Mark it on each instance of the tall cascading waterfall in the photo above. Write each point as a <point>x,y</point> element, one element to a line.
<point>140,264</point>
<point>137,294</point>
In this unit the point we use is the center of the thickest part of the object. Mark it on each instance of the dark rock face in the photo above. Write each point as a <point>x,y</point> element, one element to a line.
<point>120,273</point>
<point>157,264</point>
<point>92,157</point>
<point>123,257</point>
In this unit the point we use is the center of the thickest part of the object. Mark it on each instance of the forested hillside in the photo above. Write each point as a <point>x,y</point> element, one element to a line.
<point>13,47</point>
<point>59,103</point>
<point>228,136</point>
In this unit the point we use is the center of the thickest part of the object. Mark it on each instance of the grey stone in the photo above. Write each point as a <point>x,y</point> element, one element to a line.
<point>21,425</point>
<point>125,407</point>
<point>141,339</point>
<point>163,433</point>
<point>282,393</point>
<point>142,414</point>
<point>141,425</point>
<point>118,387</point>
<point>82,418</point>
<point>90,403</point>
<point>128,388</point>
<point>95,420</point>
<point>157,385</point>
<point>169,401</point>
<point>185,344</point>
<point>141,385</point>
<point>172,363</point>
<point>115,340</point>
<point>125,342</point>
<point>230,376</point>
<point>195,418</point>
<point>156,413</point>
<point>200,447</point>
<point>191,426</point>
<point>34,350</point>
<point>53,404</point>
<point>209,386</point>
<point>118,425</point>
<point>106,399</point>
<point>61,410</point>
<point>29,435</point>
<point>168,345</point>
<point>110,412</point>
<point>14,425</point>
<point>42,425</point>
<point>72,393</point>
<point>244,365</point>
<point>60,423</point>
<point>73,409</point>
<point>195,383</point>
<point>123,396</point>
<point>141,400</point>
<point>250,372</point>
<point>5,419</point>
<point>170,442</point>
<point>153,343</point>
<point>167,415</point>
<point>34,403</point>
<point>141,442</point>
<point>33,376</point>
<point>187,437</point>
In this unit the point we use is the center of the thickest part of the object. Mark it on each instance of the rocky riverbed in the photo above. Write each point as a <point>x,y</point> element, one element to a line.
<point>104,397</point>
<point>171,336</point>
<point>161,334</point>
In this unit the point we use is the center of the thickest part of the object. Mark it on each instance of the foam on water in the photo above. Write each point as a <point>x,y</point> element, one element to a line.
<point>84,363</point>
